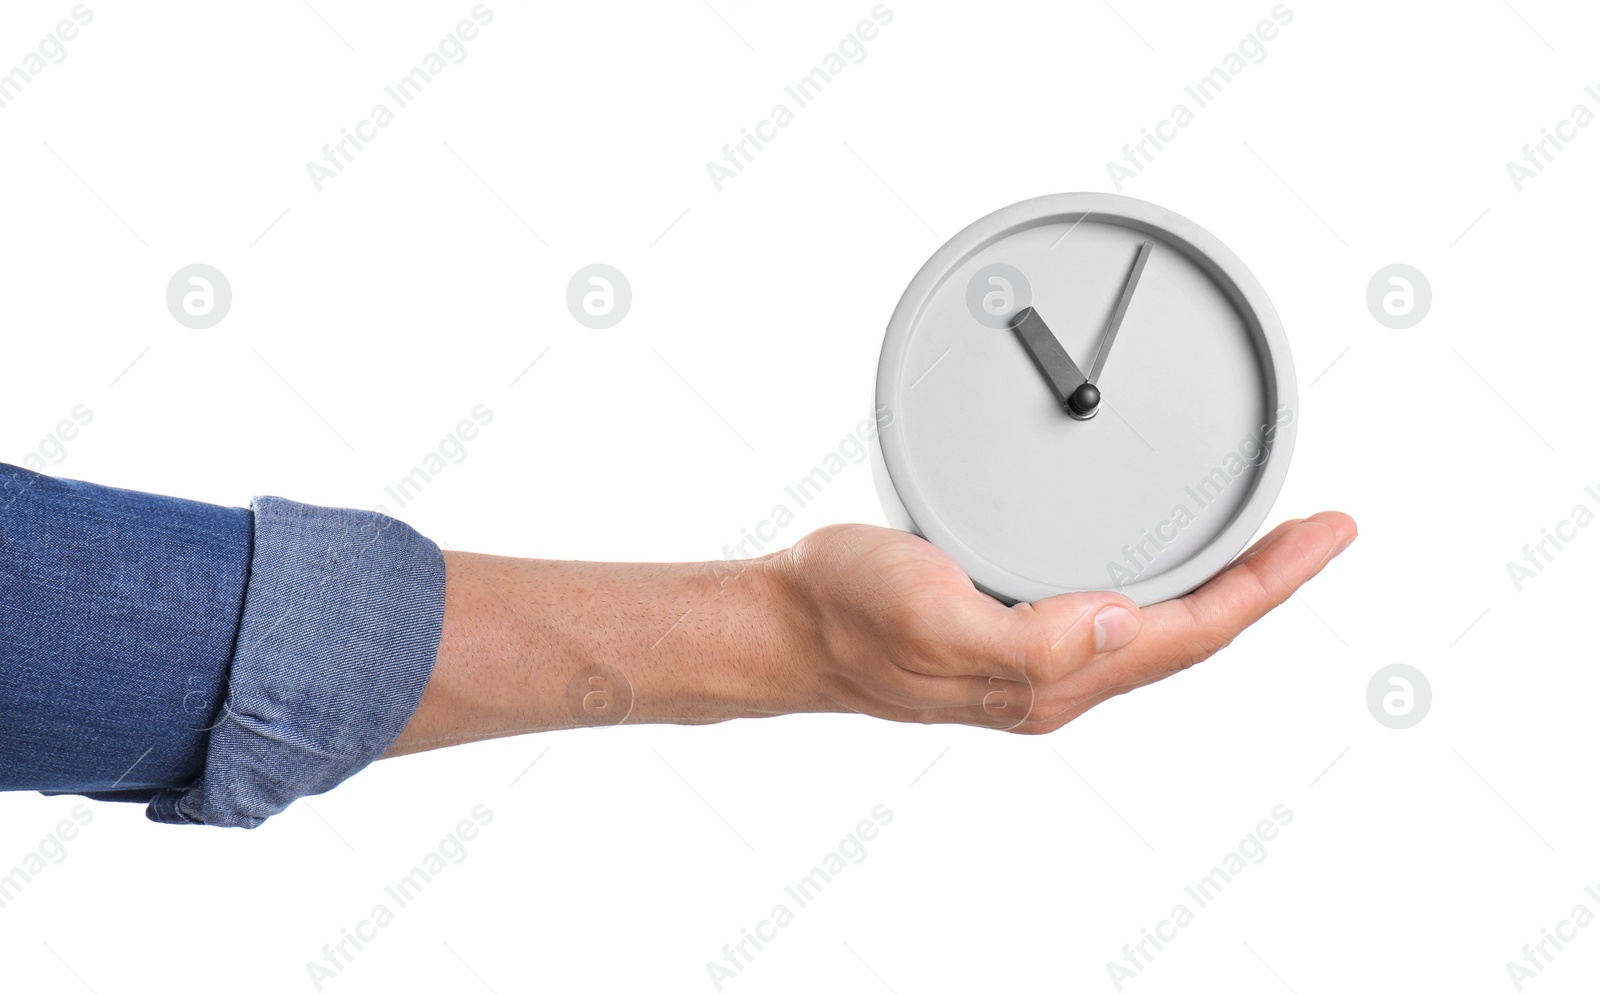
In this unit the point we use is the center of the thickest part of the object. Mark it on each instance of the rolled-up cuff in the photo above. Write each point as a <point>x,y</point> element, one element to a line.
<point>340,627</point>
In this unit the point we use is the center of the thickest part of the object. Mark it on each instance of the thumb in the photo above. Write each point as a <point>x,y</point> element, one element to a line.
<point>1066,631</point>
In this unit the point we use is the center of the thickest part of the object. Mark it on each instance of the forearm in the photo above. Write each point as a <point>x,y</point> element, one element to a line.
<point>536,645</point>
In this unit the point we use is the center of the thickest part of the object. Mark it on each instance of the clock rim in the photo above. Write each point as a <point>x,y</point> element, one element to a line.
<point>909,511</point>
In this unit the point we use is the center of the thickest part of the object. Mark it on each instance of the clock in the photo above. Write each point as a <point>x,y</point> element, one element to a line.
<point>1084,392</point>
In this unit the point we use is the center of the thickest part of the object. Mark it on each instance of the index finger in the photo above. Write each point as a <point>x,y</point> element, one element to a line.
<point>1186,630</point>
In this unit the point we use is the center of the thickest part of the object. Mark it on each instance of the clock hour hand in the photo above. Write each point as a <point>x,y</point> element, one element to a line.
<point>1120,311</point>
<point>1072,389</point>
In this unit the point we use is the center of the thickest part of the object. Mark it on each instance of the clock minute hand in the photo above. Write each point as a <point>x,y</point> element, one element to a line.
<point>1120,311</point>
<point>1066,381</point>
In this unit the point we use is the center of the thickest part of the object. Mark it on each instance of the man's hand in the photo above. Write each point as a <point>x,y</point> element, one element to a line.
<point>893,628</point>
<point>852,618</point>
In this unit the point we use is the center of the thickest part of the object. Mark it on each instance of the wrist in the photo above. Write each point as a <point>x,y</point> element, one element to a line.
<point>786,677</point>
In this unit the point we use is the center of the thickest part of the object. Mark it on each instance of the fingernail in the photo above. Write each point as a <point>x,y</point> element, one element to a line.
<point>1336,549</point>
<point>1114,628</point>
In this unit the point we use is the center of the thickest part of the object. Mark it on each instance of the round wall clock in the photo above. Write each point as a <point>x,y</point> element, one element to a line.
<point>1084,392</point>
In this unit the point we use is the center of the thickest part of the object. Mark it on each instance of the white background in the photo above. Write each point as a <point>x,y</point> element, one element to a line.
<point>371,317</point>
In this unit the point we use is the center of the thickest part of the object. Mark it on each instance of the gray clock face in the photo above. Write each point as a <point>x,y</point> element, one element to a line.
<point>987,451</point>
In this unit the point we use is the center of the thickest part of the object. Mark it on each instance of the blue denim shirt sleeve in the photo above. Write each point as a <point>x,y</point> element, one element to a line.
<point>341,623</point>
<point>214,662</point>
<point>117,617</point>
